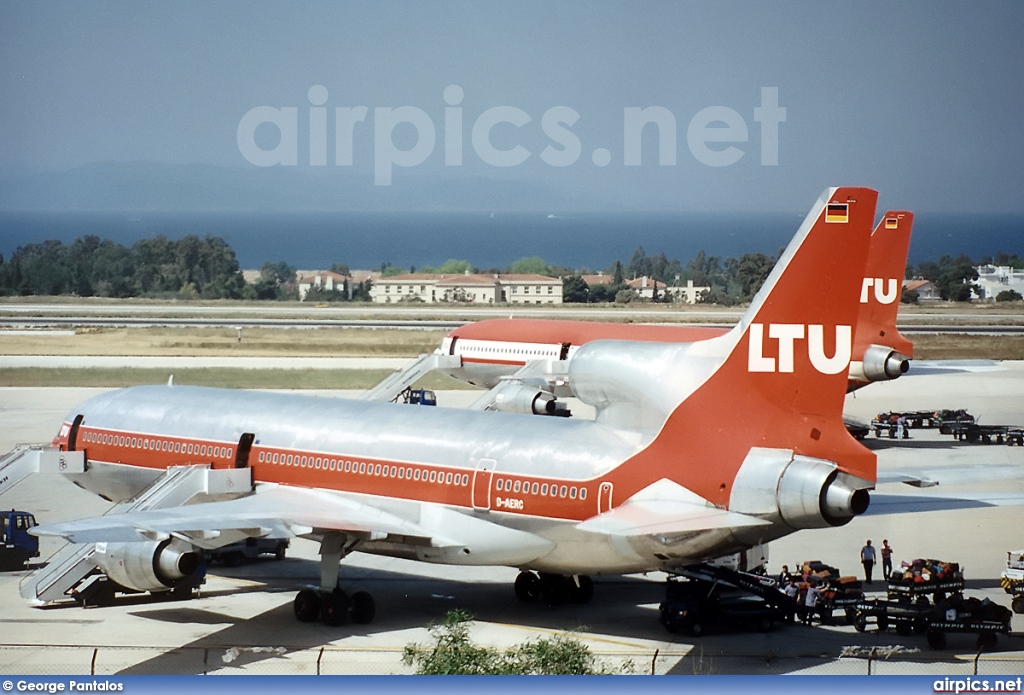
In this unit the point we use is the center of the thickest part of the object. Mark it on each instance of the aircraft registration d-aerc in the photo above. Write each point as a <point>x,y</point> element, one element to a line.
<point>495,349</point>
<point>661,478</point>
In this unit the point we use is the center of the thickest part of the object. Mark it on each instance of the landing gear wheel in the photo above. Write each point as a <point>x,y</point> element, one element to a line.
<point>307,606</point>
<point>987,641</point>
<point>936,639</point>
<point>334,608</point>
<point>554,588</point>
<point>362,608</point>
<point>527,587</point>
<point>1018,604</point>
<point>582,589</point>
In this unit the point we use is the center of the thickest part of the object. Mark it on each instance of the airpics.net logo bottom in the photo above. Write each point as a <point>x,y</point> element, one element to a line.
<point>713,134</point>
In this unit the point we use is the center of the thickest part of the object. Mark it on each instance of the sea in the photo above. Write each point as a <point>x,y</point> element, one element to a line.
<point>594,241</point>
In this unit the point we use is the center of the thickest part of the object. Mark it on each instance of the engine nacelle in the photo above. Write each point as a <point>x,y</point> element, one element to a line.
<point>800,491</point>
<point>519,398</point>
<point>880,364</point>
<point>148,565</point>
<point>812,495</point>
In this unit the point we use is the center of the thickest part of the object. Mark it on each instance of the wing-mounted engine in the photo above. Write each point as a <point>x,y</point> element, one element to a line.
<point>879,363</point>
<point>798,491</point>
<point>149,565</point>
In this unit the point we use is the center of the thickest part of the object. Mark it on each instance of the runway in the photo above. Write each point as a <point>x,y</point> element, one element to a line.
<point>243,621</point>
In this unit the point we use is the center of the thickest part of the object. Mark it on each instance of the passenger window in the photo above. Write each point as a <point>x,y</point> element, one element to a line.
<point>448,479</point>
<point>433,476</point>
<point>515,488</point>
<point>533,488</point>
<point>572,493</point>
<point>583,493</point>
<point>499,485</point>
<point>562,491</point>
<point>544,489</point>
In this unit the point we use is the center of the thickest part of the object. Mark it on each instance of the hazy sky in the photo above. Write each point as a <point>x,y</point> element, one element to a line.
<point>924,101</point>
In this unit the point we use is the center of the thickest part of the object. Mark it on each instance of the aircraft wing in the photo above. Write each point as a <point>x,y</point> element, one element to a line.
<point>273,511</point>
<point>885,504</point>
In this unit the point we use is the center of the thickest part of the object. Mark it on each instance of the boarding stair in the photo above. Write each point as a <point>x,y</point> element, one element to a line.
<point>26,459</point>
<point>391,388</point>
<point>73,564</point>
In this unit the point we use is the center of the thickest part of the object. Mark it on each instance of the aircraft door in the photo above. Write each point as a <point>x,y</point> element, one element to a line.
<point>604,498</point>
<point>244,447</point>
<point>482,478</point>
<point>73,433</point>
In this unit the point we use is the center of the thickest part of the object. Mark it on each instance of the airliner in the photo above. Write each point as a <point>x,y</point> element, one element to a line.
<point>495,349</point>
<point>698,450</point>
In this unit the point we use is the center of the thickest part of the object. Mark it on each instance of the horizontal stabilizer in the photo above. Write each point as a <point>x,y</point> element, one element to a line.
<point>665,509</point>
<point>276,512</point>
<point>884,504</point>
<point>933,367</point>
<point>953,475</point>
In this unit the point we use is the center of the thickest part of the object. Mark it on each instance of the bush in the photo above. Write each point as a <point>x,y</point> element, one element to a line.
<point>452,653</point>
<point>1009,296</point>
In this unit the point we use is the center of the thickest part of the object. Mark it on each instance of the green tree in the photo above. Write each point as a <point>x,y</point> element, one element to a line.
<point>575,289</point>
<point>1009,296</point>
<point>955,278</point>
<point>531,265</point>
<point>617,277</point>
<point>750,271</point>
<point>455,267</point>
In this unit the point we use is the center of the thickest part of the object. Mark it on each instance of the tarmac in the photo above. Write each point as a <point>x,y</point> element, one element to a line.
<point>243,622</point>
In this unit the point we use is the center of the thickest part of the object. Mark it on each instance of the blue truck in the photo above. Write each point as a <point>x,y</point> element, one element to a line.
<point>19,546</point>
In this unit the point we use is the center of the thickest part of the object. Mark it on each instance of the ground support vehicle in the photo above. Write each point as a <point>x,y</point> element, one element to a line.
<point>18,546</point>
<point>844,599</point>
<point>948,419</point>
<point>1015,435</point>
<point>906,618</point>
<point>417,397</point>
<point>250,549</point>
<point>705,596</point>
<point>909,591</point>
<point>856,428</point>
<point>957,614</point>
<point>1012,579</point>
<point>972,432</point>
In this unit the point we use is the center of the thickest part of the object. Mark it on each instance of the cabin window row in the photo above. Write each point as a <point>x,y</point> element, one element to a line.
<point>517,351</point>
<point>363,468</point>
<point>541,489</point>
<point>158,445</point>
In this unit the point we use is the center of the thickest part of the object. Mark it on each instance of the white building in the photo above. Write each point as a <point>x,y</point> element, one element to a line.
<point>994,279</point>
<point>926,289</point>
<point>467,288</point>
<point>323,279</point>
<point>645,287</point>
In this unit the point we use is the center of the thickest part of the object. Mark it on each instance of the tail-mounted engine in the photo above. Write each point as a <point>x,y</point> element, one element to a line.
<point>880,363</point>
<point>799,491</point>
<point>148,565</point>
<point>521,398</point>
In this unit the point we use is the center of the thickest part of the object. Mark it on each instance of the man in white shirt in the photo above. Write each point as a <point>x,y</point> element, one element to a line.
<point>867,557</point>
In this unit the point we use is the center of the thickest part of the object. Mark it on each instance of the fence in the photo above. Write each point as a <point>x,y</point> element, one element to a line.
<point>134,660</point>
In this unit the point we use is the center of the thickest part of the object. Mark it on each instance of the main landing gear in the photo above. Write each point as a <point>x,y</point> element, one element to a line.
<point>330,603</point>
<point>554,589</point>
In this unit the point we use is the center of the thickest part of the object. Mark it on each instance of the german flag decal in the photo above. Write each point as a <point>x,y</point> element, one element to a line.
<point>891,223</point>
<point>837,212</point>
